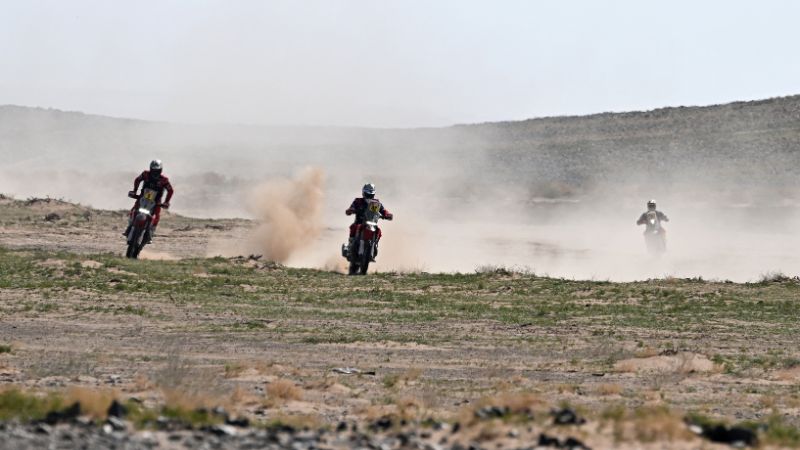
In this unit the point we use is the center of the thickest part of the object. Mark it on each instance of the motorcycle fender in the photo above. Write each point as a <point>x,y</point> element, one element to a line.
<point>141,219</point>
<point>369,233</point>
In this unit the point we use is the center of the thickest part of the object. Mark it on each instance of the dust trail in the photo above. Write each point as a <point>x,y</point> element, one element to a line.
<point>157,256</point>
<point>289,212</point>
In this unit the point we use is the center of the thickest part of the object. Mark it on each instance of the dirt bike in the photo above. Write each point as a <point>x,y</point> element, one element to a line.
<point>655,237</point>
<point>143,217</point>
<point>364,245</point>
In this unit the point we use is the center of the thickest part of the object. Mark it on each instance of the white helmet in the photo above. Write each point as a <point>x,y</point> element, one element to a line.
<point>368,191</point>
<point>156,167</point>
<point>651,205</point>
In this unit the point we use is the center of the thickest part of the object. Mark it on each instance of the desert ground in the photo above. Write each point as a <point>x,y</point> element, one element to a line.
<point>242,352</point>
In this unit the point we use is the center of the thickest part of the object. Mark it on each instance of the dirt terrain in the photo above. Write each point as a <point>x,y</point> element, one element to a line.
<point>411,359</point>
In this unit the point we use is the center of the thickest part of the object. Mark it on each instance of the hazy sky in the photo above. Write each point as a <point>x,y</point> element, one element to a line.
<point>391,63</point>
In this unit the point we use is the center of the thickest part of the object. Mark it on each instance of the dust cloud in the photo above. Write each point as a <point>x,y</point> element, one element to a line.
<point>288,212</point>
<point>555,197</point>
<point>154,255</point>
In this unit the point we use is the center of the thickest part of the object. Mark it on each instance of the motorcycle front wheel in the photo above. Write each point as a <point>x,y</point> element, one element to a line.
<point>133,248</point>
<point>366,258</point>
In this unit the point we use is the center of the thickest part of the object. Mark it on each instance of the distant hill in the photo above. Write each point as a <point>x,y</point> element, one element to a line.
<point>724,148</point>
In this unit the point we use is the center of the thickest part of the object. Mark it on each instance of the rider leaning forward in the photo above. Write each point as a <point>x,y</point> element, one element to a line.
<point>151,179</point>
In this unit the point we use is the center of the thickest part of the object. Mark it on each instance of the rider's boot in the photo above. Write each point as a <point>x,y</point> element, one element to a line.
<point>128,230</point>
<point>151,234</point>
<point>374,252</point>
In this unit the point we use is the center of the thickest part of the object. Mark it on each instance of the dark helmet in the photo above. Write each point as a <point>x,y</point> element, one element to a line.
<point>651,205</point>
<point>156,167</point>
<point>368,191</point>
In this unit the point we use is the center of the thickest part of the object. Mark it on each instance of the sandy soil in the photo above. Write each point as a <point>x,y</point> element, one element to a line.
<point>178,347</point>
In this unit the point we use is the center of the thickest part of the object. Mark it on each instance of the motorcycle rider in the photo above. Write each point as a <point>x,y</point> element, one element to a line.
<point>358,207</point>
<point>151,179</point>
<point>651,207</point>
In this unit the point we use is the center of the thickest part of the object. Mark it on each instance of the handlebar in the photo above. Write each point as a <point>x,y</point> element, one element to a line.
<point>134,196</point>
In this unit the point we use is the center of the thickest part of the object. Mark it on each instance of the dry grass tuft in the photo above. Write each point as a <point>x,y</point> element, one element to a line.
<point>233,370</point>
<point>283,390</point>
<point>646,424</point>
<point>142,382</point>
<point>190,400</point>
<point>768,402</point>
<point>488,431</point>
<point>646,352</point>
<point>412,374</point>
<point>651,424</point>
<point>409,377</point>
<point>566,388</point>
<point>518,403</point>
<point>241,396</point>
<point>94,402</point>
<point>410,408</point>
<point>608,389</point>
<point>790,374</point>
<point>187,386</point>
<point>625,367</point>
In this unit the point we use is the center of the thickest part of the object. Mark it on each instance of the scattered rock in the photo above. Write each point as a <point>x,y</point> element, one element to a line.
<point>352,371</point>
<point>116,423</point>
<point>241,422</point>
<point>566,416</point>
<point>218,411</point>
<point>574,444</point>
<point>67,414</point>
<point>491,412</point>
<point>734,436</point>
<point>117,409</point>
<point>384,423</point>
<point>222,430</point>
<point>43,428</point>
<point>547,441</point>
<point>569,443</point>
<point>52,217</point>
